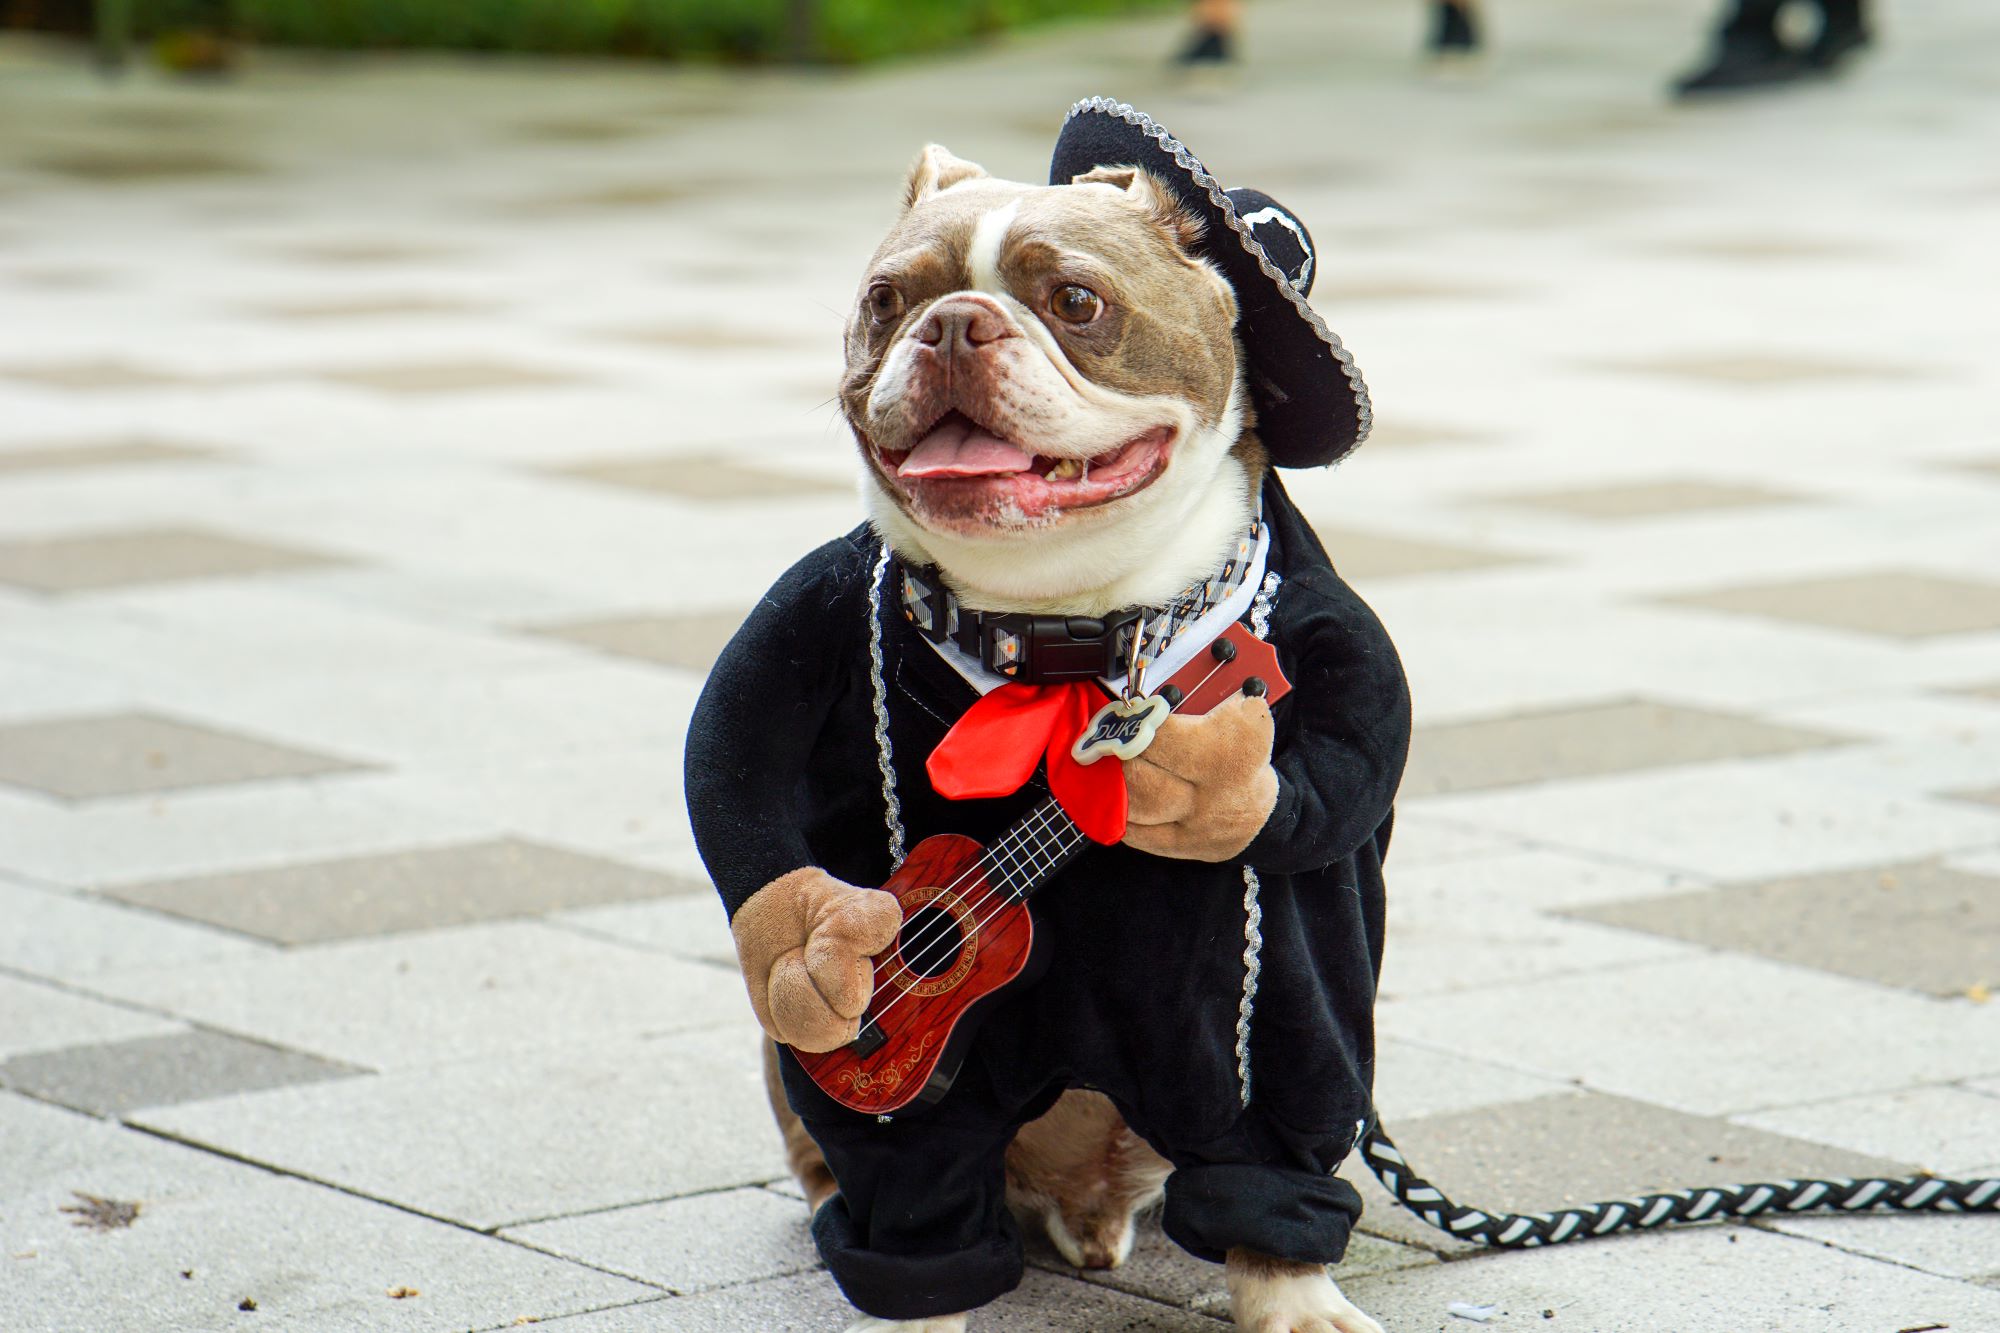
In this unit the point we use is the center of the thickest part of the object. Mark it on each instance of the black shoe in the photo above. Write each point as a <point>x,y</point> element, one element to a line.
<point>1209,46</point>
<point>1740,64</point>
<point>1453,32</point>
<point>1835,44</point>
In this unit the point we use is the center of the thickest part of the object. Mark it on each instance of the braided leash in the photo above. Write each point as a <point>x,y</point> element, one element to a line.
<point>1516,1231</point>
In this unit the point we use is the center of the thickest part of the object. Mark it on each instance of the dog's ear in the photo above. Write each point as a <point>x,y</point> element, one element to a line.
<point>1144,189</point>
<point>937,169</point>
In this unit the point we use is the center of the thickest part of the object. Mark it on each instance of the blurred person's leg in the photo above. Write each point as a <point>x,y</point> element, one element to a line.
<point>1748,52</point>
<point>1454,28</point>
<point>1213,41</point>
<point>1843,31</point>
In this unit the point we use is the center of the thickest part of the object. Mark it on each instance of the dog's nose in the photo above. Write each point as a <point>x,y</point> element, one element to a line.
<point>963,323</point>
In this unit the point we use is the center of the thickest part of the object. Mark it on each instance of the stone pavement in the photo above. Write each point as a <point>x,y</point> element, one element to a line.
<point>385,448</point>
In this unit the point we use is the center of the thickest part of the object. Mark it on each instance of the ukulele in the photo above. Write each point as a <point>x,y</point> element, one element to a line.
<point>966,928</point>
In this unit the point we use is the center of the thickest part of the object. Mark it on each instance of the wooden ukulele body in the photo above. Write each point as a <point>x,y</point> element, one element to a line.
<point>912,1043</point>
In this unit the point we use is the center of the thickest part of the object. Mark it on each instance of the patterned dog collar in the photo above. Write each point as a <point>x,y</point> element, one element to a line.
<point>1044,649</point>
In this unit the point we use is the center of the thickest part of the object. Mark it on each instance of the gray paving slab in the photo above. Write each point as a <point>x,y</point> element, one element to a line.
<point>391,892</point>
<point>210,1234</point>
<point>1627,501</point>
<point>96,454</point>
<point>692,926</point>
<point>1703,1279</point>
<point>438,997</point>
<point>1924,926</point>
<point>1722,1034</point>
<point>74,936</point>
<point>154,555</point>
<point>1578,1147</point>
<point>1946,1129</point>
<point>1895,603</point>
<point>686,1245</point>
<point>110,1078</point>
<point>124,754</point>
<point>691,641</point>
<point>39,1017</point>
<point>1570,743</point>
<point>508,1141</point>
<point>1955,1247</point>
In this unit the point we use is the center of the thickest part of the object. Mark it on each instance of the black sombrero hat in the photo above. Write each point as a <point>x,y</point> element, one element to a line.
<point>1312,407</point>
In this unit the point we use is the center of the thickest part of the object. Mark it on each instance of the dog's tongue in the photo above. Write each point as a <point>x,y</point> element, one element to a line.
<point>957,448</point>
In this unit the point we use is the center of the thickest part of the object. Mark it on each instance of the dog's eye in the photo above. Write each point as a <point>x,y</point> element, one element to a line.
<point>884,303</point>
<point>1076,305</point>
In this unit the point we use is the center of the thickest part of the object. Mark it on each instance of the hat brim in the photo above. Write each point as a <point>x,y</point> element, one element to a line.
<point>1312,405</point>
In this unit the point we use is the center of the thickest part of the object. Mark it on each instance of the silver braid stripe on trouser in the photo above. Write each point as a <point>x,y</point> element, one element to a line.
<point>1518,1231</point>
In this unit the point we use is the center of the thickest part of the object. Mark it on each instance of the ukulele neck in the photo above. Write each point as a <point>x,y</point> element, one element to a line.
<point>1027,855</point>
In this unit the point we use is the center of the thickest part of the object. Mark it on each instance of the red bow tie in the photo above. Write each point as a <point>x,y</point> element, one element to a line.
<point>992,750</point>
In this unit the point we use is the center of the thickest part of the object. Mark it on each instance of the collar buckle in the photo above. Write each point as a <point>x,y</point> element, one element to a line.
<point>1048,649</point>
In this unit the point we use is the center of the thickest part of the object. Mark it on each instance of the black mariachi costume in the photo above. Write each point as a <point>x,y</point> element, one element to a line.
<point>1226,1008</point>
<point>1229,1015</point>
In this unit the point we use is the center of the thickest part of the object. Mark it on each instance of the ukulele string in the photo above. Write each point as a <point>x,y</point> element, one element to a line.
<point>945,928</point>
<point>944,932</point>
<point>922,943</point>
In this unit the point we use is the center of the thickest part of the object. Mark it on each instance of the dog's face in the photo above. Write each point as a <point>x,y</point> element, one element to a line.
<point>1043,381</point>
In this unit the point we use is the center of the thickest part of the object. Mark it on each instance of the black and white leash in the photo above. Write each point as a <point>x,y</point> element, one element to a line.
<point>1517,1231</point>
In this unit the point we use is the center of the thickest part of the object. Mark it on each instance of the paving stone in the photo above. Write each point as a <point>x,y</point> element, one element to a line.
<point>111,1078</point>
<point>691,642</point>
<point>36,1017</point>
<point>542,1134</point>
<point>73,937</point>
<point>1712,1278</point>
<point>343,252</point>
<point>698,477</point>
<point>108,375</point>
<point>1983,797</point>
<point>1947,1130</point>
<point>686,1245</point>
<point>76,457</point>
<point>1756,820</point>
<point>1722,1034</point>
<point>1568,743</point>
<point>383,894</point>
<point>1363,557</point>
<point>693,926</point>
<point>123,754</point>
<point>1956,1247</point>
<point>1648,499</point>
<point>1889,603</point>
<point>142,555</point>
<point>1570,1148</point>
<point>365,308</point>
<point>1924,926</point>
<point>211,1233</point>
<point>1412,1081</point>
<point>483,990</point>
<point>419,378</point>
<point>1763,370</point>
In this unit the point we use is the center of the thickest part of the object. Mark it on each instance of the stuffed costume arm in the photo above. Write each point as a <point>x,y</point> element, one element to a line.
<point>1211,789</point>
<point>803,938</point>
<point>1341,758</point>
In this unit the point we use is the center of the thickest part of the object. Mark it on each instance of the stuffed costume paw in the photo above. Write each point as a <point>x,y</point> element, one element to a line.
<point>1205,786</point>
<point>806,943</point>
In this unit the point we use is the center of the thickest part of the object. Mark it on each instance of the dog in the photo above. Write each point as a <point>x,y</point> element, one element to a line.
<point>1054,412</point>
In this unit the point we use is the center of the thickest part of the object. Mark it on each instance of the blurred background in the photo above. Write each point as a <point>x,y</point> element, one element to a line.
<point>401,401</point>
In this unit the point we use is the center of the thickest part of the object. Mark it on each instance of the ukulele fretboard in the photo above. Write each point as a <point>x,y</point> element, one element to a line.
<point>1021,860</point>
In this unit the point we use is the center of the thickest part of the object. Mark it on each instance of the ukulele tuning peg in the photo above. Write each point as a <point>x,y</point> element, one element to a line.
<point>1222,650</point>
<point>1172,694</point>
<point>1255,687</point>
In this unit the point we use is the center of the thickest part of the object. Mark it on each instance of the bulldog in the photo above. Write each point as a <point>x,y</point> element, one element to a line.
<point>1055,394</point>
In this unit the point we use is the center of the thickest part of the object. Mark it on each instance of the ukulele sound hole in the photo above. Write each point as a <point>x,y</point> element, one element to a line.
<point>930,942</point>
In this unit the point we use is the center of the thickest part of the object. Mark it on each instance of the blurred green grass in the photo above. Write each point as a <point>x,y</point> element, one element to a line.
<point>839,31</point>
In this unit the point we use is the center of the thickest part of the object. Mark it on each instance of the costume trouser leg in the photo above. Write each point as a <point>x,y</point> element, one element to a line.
<point>920,1226</point>
<point>1260,1187</point>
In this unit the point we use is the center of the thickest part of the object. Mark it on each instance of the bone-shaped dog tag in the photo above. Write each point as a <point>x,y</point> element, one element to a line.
<point>1122,728</point>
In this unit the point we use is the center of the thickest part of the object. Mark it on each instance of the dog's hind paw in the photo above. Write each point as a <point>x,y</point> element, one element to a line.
<point>1269,1296</point>
<point>951,1323</point>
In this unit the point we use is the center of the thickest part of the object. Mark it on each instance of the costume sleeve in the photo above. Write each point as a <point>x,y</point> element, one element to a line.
<point>1340,755</point>
<point>763,708</point>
